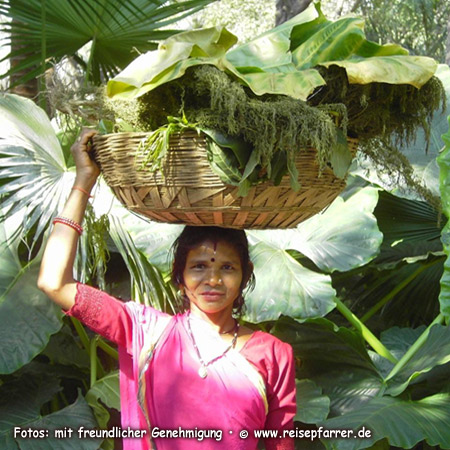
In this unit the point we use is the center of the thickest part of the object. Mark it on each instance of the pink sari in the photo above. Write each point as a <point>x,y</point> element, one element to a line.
<point>173,396</point>
<point>161,389</point>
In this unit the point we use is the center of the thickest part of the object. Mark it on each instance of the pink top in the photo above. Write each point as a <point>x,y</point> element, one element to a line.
<point>253,389</point>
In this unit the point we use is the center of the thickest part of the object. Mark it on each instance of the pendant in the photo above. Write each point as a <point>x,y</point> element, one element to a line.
<point>202,372</point>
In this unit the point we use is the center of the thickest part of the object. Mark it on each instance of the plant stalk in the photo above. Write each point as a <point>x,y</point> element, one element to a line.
<point>368,336</point>
<point>108,349</point>
<point>81,333</point>
<point>93,358</point>
<point>414,348</point>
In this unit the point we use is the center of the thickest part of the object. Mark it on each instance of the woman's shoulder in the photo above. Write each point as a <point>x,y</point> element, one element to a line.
<point>268,341</point>
<point>266,350</point>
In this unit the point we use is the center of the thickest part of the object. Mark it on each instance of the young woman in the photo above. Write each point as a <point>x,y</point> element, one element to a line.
<point>194,380</point>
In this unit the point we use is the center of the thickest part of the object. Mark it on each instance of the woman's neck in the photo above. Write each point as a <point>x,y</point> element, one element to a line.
<point>221,321</point>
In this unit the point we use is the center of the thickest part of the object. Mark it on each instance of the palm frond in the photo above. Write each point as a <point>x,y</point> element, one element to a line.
<point>34,176</point>
<point>117,28</point>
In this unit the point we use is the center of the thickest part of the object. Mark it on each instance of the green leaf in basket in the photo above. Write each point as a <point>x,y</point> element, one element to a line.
<point>279,167</point>
<point>224,163</point>
<point>293,173</point>
<point>240,148</point>
<point>341,157</point>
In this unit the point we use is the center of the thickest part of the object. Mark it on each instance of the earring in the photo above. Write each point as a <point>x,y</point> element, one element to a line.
<point>182,291</point>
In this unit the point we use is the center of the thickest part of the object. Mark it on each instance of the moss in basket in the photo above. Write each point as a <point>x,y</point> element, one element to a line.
<point>267,124</point>
<point>382,110</point>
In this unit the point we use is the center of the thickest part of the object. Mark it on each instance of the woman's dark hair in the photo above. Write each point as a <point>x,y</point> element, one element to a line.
<point>191,237</point>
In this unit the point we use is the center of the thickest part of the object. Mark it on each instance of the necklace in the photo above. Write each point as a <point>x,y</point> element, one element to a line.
<point>203,371</point>
<point>230,330</point>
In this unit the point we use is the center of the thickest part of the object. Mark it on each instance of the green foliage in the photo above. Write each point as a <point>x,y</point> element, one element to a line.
<point>444,164</point>
<point>360,389</point>
<point>21,400</point>
<point>45,31</point>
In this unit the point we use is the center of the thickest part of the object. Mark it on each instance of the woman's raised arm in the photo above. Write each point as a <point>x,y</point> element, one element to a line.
<point>56,273</point>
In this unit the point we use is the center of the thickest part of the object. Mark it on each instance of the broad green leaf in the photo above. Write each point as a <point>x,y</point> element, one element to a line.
<point>342,237</point>
<point>27,316</point>
<point>22,397</point>
<point>272,48</point>
<point>77,416</point>
<point>398,340</point>
<point>403,422</point>
<point>295,84</point>
<point>345,235</point>
<point>396,69</point>
<point>341,157</point>
<point>434,352</point>
<point>333,41</point>
<point>312,405</point>
<point>444,165</point>
<point>107,391</point>
<point>298,292</point>
<point>63,348</point>
<point>335,359</point>
<point>224,163</point>
<point>173,57</point>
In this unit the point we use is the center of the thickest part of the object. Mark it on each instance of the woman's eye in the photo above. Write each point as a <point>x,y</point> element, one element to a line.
<point>198,266</point>
<point>228,267</point>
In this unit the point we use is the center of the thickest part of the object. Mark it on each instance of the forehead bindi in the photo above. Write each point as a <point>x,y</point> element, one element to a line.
<point>217,251</point>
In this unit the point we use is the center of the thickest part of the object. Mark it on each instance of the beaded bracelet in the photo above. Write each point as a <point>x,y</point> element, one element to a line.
<point>77,188</point>
<point>70,223</point>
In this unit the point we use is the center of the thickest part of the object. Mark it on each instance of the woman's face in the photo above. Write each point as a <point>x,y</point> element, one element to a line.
<point>212,277</point>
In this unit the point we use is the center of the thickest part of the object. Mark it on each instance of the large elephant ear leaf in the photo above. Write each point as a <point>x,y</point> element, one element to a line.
<point>345,235</point>
<point>33,173</point>
<point>294,290</point>
<point>27,317</point>
<point>342,237</point>
<point>403,422</point>
<point>344,371</point>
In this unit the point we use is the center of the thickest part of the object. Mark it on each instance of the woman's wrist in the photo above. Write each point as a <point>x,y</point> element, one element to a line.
<point>85,183</point>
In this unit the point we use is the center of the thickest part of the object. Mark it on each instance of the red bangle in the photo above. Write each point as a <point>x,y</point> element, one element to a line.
<point>84,191</point>
<point>70,223</point>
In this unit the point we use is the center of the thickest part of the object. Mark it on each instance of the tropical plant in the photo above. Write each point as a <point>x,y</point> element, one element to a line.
<point>43,32</point>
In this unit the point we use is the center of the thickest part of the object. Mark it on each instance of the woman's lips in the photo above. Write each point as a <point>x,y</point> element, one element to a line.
<point>212,295</point>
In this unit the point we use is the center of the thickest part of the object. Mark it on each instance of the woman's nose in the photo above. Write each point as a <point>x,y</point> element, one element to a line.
<point>213,277</point>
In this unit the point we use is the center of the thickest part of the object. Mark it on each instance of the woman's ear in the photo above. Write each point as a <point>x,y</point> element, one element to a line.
<point>181,288</point>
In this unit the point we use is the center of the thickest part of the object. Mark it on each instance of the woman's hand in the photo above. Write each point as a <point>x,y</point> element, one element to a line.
<point>87,169</point>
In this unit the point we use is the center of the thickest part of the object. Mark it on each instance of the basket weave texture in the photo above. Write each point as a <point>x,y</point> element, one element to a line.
<point>190,193</point>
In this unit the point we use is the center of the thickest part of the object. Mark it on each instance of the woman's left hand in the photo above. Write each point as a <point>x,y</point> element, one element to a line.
<point>87,170</point>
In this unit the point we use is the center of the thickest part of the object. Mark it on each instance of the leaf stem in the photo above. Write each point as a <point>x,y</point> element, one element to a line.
<point>93,358</point>
<point>368,336</point>
<point>84,338</point>
<point>108,349</point>
<point>414,348</point>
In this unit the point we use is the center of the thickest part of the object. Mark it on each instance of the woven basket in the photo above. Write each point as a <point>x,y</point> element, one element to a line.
<point>191,193</point>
